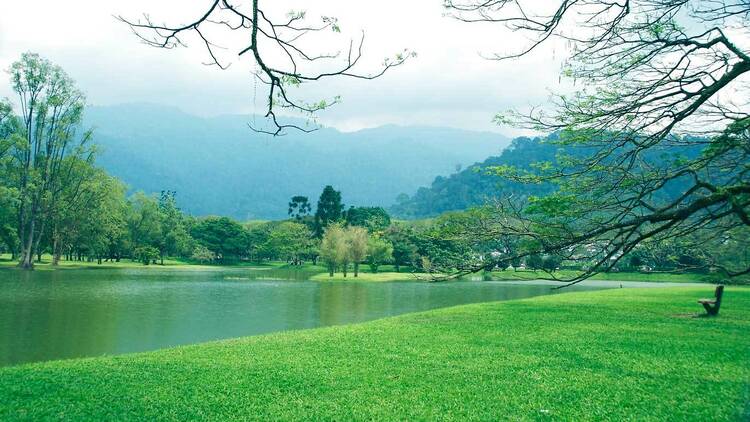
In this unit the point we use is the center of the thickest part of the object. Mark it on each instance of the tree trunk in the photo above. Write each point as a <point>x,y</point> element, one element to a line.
<point>55,247</point>
<point>330,270</point>
<point>398,268</point>
<point>356,269</point>
<point>27,253</point>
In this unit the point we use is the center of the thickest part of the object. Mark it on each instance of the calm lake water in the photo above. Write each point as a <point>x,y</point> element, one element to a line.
<point>48,315</point>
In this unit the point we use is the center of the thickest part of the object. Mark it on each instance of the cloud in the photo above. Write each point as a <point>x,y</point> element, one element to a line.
<point>448,84</point>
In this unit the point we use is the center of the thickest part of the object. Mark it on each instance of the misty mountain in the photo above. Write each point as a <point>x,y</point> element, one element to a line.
<point>475,185</point>
<point>219,166</point>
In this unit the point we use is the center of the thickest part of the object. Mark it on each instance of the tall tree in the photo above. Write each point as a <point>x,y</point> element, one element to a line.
<point>405,250</point>
<point>333,248</point>
<point>144,224</point>
<point>291,241</point>
<point>374,219</point>
<point>379,251</point>
<point>175,239</point>
<point>299,207</point>
<point>356,243</point>
<point>330,209</point>
<point>222,236</point>
<point>48,145</point>
<point>655,77</point>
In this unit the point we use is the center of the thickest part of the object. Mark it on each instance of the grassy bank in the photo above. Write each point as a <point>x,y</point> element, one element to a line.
<point>169,263</point>
<point>381,276</point>
<point>320,273</point>
<point>386,272</point>
<point>618,276</point>
<point>632,354</point>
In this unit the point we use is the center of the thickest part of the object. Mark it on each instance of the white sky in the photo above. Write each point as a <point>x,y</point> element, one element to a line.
<point>448,84</point>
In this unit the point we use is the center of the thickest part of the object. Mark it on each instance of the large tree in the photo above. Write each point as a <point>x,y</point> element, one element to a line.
<point>46,148</point>
<point>356,243</point>
<point>330,209</point>
<point>657,133</point>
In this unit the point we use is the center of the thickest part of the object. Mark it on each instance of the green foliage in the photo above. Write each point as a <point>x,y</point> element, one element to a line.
<point>292,242</point>
<point>475,185</point>
<point>299,207</point>
<point>374,219</point>
<point>330,210</point>
<point>146,254</point>
<point>333,248</point>
<point>226,238</point>
<point>403,239</point>
<point>356,245</point>
<point>379,251</point>
<point>202,254</point>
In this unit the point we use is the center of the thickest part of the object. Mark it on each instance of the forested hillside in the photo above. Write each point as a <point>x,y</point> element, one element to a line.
<point>474,186</point>
<point>219,166</point>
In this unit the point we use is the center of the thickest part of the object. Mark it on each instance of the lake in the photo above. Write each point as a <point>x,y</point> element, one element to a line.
<point>46,315</point>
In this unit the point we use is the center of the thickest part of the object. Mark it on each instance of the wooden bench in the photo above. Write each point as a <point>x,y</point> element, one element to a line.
<point>712,305</point>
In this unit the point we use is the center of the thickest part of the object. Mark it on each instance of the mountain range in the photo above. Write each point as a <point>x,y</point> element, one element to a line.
<point>219,166</point>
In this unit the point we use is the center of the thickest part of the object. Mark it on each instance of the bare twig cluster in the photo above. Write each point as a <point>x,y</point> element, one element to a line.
<point>275,45</point>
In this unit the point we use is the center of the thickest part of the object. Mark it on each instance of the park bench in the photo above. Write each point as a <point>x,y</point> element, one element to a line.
<point>712,305</point>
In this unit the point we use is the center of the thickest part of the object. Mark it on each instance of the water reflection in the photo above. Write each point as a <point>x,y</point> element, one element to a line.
<point>66,314</point>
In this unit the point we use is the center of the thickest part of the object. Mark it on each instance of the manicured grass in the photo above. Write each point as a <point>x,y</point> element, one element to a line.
<point>386,273</point>
<point>623,354</point>
<point>169,263</point>
<point>618,276</point>
<point>368,276</point>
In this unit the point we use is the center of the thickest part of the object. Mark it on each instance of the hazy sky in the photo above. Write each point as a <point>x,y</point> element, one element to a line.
<point>448,84</point>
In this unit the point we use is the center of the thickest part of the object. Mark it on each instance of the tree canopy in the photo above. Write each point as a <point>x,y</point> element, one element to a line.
<point>655,77</point>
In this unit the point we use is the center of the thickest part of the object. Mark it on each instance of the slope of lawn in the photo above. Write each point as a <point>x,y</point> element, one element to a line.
<point>624,354</point>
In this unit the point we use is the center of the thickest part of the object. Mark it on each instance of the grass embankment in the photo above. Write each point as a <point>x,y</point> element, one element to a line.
<point>169,263</point>
<point>386,273</point>
<point>616,276</point>
<point>624,354</point>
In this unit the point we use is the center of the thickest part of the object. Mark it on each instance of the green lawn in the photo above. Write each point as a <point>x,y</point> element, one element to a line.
<point>617,276</point>
<point>169,263</point>
<point>623,354</point>
<point>376,277</point>
<point>386,273</point>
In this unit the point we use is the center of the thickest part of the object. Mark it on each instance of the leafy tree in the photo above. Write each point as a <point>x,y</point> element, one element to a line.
<point>45,145</point>
<point>379,251</point>
<point>258,237</point>
<point>8,214</point>
<point>404,246</point>
<point>535,261</point>
<point>175,239</point>
<point>333,248</point>
<point>291,241</point>
<point>551,263</point>
<point>357,246</point>
<point>202,254</point>
<point>374,219</point>
<point>652,112</point>
<point>330,210</point>
<point>224,237</point>
<point>299,207</point>
<point>144,221</point>
<point>146,254</point>
<point>90,218</point>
